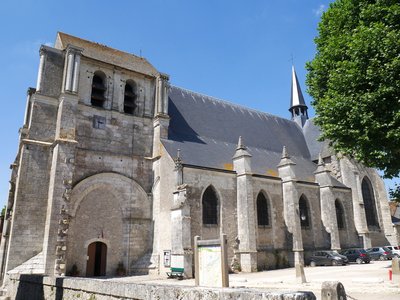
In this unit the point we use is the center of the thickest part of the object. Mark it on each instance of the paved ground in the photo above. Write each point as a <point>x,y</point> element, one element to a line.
<point>361,282</point>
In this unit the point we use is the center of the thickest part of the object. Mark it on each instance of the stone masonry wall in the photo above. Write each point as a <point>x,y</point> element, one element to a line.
<point>348,235</point>
<point>315,236</point>
<point>120,145</point>
<point>39,287</point>
<point>29,212</point>
<point>225,187</point>
<point>272,242</point>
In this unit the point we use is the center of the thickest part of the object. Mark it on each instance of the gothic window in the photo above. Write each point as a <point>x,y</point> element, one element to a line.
<point>98,90</point>
<point>210,207</point>
<point>304,213</point>
<point>129,98</point>
<point>262,210</point>
<point>369,203</point>
<point>339,214</point>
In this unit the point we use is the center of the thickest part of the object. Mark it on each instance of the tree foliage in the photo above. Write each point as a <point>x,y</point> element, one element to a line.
<point>354,79</point>
<point>395,193</point>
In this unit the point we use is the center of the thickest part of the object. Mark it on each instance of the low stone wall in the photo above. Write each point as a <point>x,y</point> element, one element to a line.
<point>37,287</point>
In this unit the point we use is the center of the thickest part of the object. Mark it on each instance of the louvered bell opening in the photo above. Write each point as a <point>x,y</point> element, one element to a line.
<point>129,100</point>
<point>98,90</point>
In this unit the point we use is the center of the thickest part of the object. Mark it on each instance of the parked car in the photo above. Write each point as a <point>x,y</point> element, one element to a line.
<point>357,255</point>
<point>381,253</point>
<point>327,258</point>
<point>395,250</point>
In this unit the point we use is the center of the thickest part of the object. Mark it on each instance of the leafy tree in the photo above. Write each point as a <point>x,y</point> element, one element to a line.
<point>354,79</point>
<point>395,193</point>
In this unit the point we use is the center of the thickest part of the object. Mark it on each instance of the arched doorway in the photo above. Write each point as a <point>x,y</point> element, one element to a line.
<point>96,259</point>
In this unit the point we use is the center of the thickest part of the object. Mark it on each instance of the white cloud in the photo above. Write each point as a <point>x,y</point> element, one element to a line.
<point>320,10</point>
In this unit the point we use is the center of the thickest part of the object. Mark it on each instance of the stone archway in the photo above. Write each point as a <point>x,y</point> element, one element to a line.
<point>113,210</point>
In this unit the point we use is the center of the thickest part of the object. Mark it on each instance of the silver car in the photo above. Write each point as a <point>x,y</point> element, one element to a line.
<point>381,253</point>
<point>395,250</point>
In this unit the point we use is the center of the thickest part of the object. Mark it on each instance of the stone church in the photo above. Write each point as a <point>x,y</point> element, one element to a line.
<point>117,168</point>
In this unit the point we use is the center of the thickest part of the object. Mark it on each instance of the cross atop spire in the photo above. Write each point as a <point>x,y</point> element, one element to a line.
<point>298,107</point>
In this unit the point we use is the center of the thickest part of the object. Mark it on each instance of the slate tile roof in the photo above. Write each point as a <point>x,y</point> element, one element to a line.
<point>206,130</point>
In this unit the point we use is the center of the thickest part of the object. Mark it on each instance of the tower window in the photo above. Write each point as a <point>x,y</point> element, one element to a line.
<point>129,98</point>
<point>262,210</point>
<point>210,207</point>
<point>339,214</point>
<point>304,213</point>
<point>369,203</point>
<point>98,91</point>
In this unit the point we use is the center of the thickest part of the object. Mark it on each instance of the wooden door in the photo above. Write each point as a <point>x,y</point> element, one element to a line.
<point>97,259</point>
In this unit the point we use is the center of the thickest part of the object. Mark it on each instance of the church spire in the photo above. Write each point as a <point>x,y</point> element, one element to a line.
<point>298,107</point>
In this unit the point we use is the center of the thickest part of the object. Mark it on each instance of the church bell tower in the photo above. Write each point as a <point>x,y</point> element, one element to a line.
<point>298,107</point>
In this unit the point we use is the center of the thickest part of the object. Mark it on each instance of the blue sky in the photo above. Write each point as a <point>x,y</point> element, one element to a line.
<point>240,51</point>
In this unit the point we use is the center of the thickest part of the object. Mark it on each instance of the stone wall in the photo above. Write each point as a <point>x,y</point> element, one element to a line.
<point>29,211</point>
<point>272,244</point>
<point>38,287</point>
<point>224,184</point>
<point>348,235</point>
<point>315,235</point>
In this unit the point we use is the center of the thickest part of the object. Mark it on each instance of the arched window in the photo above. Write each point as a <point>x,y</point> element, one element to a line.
<point>369,203</point>
<point>129,98</point>
<point>262,210</point>
<point>210,207</point>
<point>304,212</point>
<point>339,214</point>
<point>98,90</point>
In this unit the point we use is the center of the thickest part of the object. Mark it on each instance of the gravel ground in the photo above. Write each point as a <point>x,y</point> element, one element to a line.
<point>361,282</point>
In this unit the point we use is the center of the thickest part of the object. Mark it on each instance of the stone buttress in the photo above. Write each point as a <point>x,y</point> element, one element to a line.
<point>322,176</point>
<point>291,204</point>
<point>245,209</point>
<point>62,169</point>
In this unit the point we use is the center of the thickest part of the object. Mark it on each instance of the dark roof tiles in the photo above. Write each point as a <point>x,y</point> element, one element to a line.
<point>207,130</point>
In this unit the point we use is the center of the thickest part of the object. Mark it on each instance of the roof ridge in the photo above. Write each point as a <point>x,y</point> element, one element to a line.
<point>101,45</point>
<point>230,103</point>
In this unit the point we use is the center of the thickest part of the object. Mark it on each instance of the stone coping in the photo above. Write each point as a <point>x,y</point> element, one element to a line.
<point>72,288</point>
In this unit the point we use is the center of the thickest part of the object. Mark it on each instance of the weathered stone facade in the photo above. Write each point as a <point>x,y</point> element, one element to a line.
<point>120,177</point>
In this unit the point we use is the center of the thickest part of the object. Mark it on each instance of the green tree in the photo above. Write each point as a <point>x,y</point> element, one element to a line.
<point>354,79</point>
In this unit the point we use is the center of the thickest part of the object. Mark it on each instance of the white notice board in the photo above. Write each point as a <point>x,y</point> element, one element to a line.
<point>210,265</point>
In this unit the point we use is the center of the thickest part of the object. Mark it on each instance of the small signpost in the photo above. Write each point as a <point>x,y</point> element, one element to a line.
<point>211,262</point>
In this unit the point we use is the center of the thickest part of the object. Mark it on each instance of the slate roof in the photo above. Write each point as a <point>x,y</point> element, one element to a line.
<point>206,130</point>
<point>296,98</point>
<point>311,133</point>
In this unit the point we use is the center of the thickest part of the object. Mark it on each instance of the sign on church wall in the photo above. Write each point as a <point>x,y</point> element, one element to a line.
<point>211,262</point>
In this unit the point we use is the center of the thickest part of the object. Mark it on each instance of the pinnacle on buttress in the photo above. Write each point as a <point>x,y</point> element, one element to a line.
<point>321,166</point>
<point>241,149</point>
<point>285,153</point>
<point>240,145</point>
<point>320,160</point>
<point>285,159</point>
